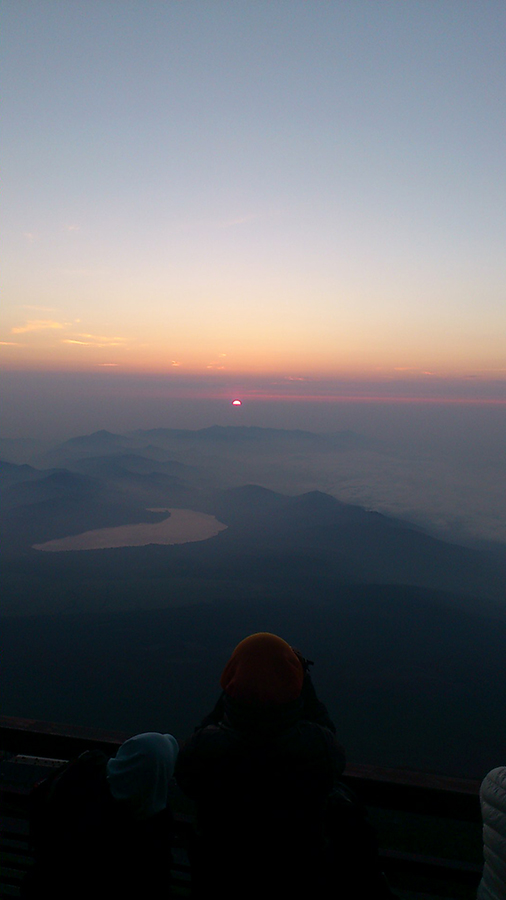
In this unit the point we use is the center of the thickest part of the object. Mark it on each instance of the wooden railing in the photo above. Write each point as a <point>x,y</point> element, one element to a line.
<point>429,825</point>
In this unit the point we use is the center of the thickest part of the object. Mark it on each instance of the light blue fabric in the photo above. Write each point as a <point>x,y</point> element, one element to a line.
<point>141,771</point>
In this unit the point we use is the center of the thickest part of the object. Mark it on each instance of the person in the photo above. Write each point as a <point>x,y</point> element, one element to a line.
<point>102,827</point>
<point>493,811</point>
<point>260,768</point>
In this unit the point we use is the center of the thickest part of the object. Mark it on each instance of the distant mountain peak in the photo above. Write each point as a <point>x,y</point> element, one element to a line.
<point>96,439</point>
<point>103,433</point>
<point>318,497</point>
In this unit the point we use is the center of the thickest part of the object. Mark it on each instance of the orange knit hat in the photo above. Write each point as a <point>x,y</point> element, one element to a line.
<point>263,669</point>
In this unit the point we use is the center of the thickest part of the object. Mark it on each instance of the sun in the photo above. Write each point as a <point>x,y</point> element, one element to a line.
<point>236,402</point>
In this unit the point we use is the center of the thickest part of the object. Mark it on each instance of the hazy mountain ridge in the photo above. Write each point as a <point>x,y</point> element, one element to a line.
<point>353,543</point>
<point>216,437</point>
<point>130,462</point>
<point>345,541</point>
<point>13,474</point>
<point>40,505</point>
<point>441,483</point>
<point>406,629</point>
<point>274,546</point>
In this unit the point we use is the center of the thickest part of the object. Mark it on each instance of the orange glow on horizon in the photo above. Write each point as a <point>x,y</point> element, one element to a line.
<point>271,348</point>
<point>294,371</point>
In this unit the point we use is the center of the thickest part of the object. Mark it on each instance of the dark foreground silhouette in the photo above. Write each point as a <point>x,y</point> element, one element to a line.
<point>264,769</point>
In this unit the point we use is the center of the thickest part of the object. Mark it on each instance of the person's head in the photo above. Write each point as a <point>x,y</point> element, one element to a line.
<point>140,772</point>
<point>263,669</point>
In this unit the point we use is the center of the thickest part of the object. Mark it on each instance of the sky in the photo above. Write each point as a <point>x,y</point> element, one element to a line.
<point>286,201</point>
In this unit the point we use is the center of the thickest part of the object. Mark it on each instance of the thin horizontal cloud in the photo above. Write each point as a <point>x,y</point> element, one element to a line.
<point>104,343</point>
<point>102,337</point>
<point>39,325</point>
<point>10,344</point>
<point>95,340</point>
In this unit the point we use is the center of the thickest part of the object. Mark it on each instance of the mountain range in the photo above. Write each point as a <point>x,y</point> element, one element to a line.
<point>407,630</point>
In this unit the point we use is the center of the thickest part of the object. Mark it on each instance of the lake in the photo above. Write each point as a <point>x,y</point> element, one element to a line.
<point>183,526</point>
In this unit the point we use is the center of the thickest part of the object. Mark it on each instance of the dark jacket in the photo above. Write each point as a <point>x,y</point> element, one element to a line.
<point>260,778</point>
<point>86,844</point>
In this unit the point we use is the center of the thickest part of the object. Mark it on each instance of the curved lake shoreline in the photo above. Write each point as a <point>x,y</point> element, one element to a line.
<point>183,526</point>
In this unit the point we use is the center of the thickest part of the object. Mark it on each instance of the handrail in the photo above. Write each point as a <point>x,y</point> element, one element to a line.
<point>402,789</point>
<point>396,790</point>
<point>39,738</point>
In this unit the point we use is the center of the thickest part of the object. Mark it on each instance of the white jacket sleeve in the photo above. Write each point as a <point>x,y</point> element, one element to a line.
<point>493,810</point>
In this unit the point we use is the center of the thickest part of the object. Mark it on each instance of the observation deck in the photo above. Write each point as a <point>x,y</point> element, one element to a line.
<point>429,826</point>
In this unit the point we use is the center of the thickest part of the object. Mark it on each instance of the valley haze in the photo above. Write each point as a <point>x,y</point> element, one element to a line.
<point>404,619</point>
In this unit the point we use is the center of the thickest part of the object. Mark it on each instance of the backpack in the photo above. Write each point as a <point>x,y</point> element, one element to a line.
<point>68,816</point>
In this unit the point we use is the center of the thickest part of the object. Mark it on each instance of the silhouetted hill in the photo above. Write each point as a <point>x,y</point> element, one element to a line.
<point>100,438</point>
<point>242,505</point>
<point>11,473</point>
<point>100,491</point>
<point>40,505</point>
<point>271,538</point>
<point>410,678</point>
<point>62,484</point>
<point>349,543</point>
<point>131,462</point>
<point>100,443</point>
